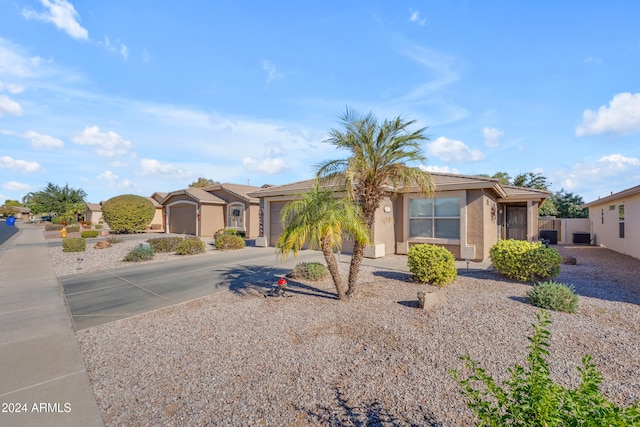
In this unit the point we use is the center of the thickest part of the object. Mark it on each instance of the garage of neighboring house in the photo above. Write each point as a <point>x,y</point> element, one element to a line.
<point>182,217</point>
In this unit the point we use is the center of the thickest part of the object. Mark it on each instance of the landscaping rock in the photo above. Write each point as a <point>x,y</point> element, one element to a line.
<point>569,260</point>
<point>102,244</point>
<point>426,300</point>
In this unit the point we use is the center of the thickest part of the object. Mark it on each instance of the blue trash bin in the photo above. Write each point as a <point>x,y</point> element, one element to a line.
<point>11,221</point>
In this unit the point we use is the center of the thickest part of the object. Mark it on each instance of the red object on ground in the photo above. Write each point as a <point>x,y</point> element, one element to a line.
<point>282,282</point>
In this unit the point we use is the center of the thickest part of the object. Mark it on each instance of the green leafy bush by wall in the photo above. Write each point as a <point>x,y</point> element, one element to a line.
<point>229,241</point>
<point>89,233</point>
<point>128,213</point>
<point>190,246</point>
<point>432,264</point>
<point>74,244</point>
<point>138,254</point>
<point>531,398</point>
<point>554,296</point>
<point>165,244</point>
<point>525,261</point>
<point>53,227</point>
<point>313,271</point>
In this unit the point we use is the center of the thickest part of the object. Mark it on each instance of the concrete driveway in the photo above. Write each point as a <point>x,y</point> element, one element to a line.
<point>101,297</point>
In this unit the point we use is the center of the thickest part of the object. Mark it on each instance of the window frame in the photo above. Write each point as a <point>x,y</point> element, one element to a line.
<point>433,218</point>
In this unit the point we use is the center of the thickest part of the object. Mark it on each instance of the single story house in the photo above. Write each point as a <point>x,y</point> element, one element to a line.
<point>465,214</point>
<point>93,213</point>
<point>615,221</point>
<point>203,211</point>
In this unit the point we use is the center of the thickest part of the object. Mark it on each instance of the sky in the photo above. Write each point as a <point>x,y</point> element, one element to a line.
<point>137,97</point>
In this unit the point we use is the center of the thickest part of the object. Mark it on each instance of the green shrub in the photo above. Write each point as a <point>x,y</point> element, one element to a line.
<point>139,253</point>
<point>60,220</point>
<point>432,264</point>
<point>190,246</point>
<point>165,244</point>
<point>313,271</point>
<point>128,213</point>
<point>554,296</point>
<point>525,261</point>
<point>53,227</point>
<point>74,244</point>
<point>73,228</point>
<point>229,241</point>
<point>98,226</point>
<point>89,233</point>
<point>531,398</point>
<point>114,240</point>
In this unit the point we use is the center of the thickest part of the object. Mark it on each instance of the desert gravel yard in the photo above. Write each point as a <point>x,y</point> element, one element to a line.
<point>239,359</point>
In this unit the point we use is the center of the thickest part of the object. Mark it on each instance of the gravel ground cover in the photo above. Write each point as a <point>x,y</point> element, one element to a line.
<point>238,358</point>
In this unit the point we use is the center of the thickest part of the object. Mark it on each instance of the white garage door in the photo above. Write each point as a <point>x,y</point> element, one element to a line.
<point>182,219</point>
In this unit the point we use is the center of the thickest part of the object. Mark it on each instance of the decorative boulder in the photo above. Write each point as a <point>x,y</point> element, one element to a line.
<point>426,300</point>
<point>569,260</point>
<point>102,244</point>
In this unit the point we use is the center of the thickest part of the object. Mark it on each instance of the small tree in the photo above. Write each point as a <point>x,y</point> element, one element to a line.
<point>54,199</point>
<point>128,213</point>
<point>203,182</point>
<point>321,220</point>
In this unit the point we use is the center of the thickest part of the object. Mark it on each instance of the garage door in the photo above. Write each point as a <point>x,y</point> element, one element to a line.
<point>182,219</point>
<point>275,227</point>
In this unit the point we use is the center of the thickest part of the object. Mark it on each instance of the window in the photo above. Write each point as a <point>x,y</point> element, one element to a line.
<point>621,221</point>
<point>235,216</point>
<point>439,218</point>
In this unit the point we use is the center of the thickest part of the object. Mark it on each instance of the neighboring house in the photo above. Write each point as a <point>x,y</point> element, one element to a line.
<point>466,214</point>
<point>93,213</point>
<point>203,211</point>
<point>615,221</point>
<point>157,223</point>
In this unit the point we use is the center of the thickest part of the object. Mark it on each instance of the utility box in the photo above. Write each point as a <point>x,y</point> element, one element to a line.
<point>145,245</point>
<point>582,238</point>
<point>550,235</point>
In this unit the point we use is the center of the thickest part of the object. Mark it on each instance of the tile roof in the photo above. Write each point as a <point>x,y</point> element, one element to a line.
<point>624,193</point>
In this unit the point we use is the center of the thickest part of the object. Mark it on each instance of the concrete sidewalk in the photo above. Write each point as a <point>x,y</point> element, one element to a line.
<point>43,378</point>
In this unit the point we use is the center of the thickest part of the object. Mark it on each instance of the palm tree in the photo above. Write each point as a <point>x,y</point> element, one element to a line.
<point>321,220</point>
<point>379,156</point>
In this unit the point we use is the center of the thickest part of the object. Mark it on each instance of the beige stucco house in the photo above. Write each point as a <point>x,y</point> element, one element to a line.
<point>615,221</point>
<point>203,211</point>
<point>466,214</point>
<point>93,213</point>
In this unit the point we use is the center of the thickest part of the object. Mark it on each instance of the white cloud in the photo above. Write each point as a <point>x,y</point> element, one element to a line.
<point>16,186</point>
<point>62,14</point>
<point>492,137</point>
<point>108,144</point>
<point>114,181</point>
<point>440,169</point>
<point>154,167</point>
<point>450,150</point>
<point>7,162</point>
<point>599,175</point>
<point>272,72</point>
<point>272,161</point>
<point>621,117</point>
<point>9,106</point>
<point>40,141</point>
<point>11,87</point>
<point>119,48</point>
<point>415,17</point>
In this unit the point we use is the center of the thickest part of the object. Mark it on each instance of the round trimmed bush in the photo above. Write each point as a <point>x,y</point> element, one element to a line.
<point>190,246</point>
<point>432,264</point>
<point>74,244</point>
<point>313,271</point>
<point>128,213</point>
<point>229,241</point>
<point>525,261</point>
<point>554,296</point>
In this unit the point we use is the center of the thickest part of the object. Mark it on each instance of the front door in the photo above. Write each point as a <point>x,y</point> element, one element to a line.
<point>517,222</point>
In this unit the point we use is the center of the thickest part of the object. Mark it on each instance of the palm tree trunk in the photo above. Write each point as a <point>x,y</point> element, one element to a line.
<point>354,268</point>
<point>332,265</point>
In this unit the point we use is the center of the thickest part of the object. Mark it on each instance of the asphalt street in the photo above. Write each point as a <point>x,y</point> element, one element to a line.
<point>6,231</point>
<point>101,297</point>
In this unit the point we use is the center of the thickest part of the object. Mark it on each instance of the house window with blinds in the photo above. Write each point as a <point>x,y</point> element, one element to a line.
<point>435,218</point>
